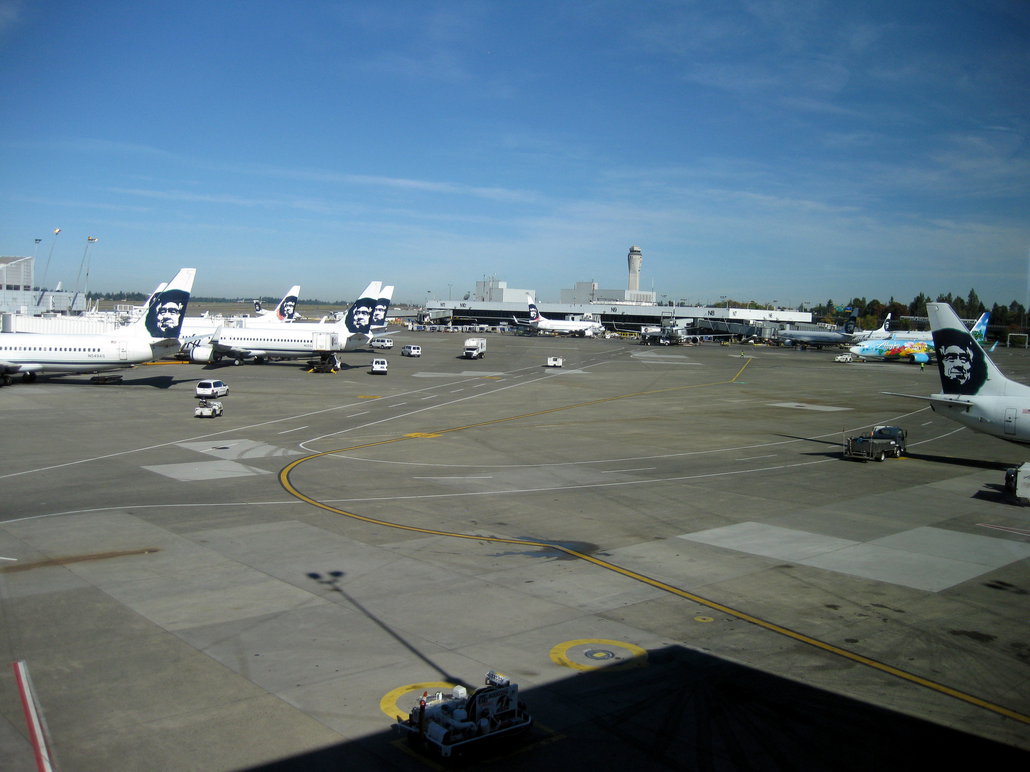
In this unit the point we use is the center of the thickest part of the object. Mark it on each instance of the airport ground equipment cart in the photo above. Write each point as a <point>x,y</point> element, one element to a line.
<point>880,443</point>
<point>450,723</point>
<point>208,408</point>
<point>555,361</point>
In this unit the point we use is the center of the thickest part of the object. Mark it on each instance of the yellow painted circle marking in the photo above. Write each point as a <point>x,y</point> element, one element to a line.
<point>704,619</point>
<point>390,704</point>
<point>600,651</point>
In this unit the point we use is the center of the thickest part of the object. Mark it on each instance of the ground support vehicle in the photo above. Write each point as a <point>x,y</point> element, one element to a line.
<point>882,442</point>
<point>1017,482</point>
<point>381,343</point>
<point>209,388</point>
<point>844,358</point>
<point>449,723</point>
<point>378,367</point>
<point>208,408</point>
<point>475,348</point>
<point>555,361</point>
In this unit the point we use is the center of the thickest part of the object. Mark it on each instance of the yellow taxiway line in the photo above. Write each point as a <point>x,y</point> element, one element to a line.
<point>284,480</point>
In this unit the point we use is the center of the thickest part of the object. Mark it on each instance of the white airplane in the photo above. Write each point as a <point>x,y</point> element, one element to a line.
<point>974,392</point>
<point>916,346</point>
<point>152,335</point>
<point>298,340</point>
<point>539,322</point>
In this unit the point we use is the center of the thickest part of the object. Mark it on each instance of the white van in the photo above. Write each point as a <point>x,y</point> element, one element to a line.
<point>381,343</point>
<point>378,366</point>
<point>411,351</point>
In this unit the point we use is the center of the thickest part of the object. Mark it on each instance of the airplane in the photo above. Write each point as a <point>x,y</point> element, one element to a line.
<point>917,347</point>
<point>286,311</point>
<point>842,335</point>
<point>974,392</point>
<point>298,340</point>
<point>541,323</point>
<point>152,335</point>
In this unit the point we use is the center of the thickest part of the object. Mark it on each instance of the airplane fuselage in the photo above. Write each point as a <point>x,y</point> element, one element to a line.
<point>52,354</point>
<point>1000,416</point>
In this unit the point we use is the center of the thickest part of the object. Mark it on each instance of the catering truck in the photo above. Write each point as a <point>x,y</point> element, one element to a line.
<point>475,348</point>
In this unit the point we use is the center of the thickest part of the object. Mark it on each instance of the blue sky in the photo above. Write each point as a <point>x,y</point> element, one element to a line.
<point>789,151</point>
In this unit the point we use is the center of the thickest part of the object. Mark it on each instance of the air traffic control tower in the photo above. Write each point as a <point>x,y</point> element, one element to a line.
<point>635,258</point>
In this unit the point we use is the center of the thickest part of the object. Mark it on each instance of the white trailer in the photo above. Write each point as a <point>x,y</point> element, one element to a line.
<point>475,348</point>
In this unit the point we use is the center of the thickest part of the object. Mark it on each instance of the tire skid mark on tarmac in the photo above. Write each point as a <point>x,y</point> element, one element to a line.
<point>883,667</point>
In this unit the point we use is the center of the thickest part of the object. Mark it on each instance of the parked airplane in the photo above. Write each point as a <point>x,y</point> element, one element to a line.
<point>916,347</point>
<point>286,311</point>
<point>566,327</point>
<point>152,335</point>
<point>842,335</point>
<point>974,392</point>
<point>298,340</point>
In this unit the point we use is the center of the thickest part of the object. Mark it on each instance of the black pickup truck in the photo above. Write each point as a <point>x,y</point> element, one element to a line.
<point>882,442</point>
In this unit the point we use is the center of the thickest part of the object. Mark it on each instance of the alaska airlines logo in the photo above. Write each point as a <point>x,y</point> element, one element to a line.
<point>359,315</point>
<point>960,361</point>
<point>287,309</point>
<point>165,315</point>
<point>534,315</point>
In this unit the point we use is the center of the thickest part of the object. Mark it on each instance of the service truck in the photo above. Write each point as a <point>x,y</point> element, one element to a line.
<point>882,442</point>
<point>475,348</point>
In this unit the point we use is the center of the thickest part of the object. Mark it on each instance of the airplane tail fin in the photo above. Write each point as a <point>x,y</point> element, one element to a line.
<point>852,322</point>
<point>381,307</point>
<point>287,308</point>
<point>964,366</point>
<point>534,312</point>
<point>166,309</point>
<point>979,328</point>
<point>359,316</point>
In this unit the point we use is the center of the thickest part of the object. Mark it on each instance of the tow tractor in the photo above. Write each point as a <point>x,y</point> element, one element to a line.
<point>207,408</point>
<point>446,723</point>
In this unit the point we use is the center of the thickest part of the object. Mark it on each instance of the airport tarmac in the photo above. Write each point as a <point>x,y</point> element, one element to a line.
<point>661,546</point>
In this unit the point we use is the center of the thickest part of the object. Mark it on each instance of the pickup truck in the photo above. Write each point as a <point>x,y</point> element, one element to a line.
<point>882,442</point>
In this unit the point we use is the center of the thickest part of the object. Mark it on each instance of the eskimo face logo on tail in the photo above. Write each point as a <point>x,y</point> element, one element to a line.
<point>960,361</point>
<point>165,315</point>
<point>287,308</point>
<point>534,315</point>
<point>379,312</point>
<point>359,315</point>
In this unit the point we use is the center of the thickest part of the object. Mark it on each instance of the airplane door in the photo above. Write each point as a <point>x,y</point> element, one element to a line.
<point>1010,422</point>
<point>123,350</point>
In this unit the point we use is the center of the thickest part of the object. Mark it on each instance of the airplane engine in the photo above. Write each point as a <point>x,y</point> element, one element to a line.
<point>203,354</point>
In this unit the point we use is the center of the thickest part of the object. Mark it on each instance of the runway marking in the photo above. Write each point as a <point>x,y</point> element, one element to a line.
<point>452,478</point>
<point>297,429</point>
<point>638,469</point>
<point>285,482</point>
<point>752,458</point>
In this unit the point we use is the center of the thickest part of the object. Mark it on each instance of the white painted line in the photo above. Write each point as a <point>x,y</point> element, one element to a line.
<point>455,391</point>
<point>750,458</point>
<point>12,559</point>
<point>295,429</point>
<point>431,396</point>
<point>400,403</point>
<point>355,415</point>
<point>638,469</point>
<point>453,478</point>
